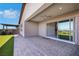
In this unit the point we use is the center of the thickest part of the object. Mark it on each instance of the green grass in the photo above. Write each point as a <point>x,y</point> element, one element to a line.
<point>4,39</point>
<point>6,45</point>
<point>65,35</point>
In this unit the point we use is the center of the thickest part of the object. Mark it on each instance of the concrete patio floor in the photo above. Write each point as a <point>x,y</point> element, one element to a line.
<point>38,46</point>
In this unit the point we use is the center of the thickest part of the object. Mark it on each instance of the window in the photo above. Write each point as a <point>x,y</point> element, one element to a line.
<point>21,27</point>
<point>65,29</point>
<point>52,29</point>
<point>61,29</point>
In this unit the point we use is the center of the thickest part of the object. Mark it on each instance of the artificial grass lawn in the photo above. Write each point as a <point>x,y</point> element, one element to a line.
<point>6,45</point>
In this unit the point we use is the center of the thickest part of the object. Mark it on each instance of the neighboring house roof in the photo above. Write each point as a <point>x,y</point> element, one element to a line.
<point>22,9</point>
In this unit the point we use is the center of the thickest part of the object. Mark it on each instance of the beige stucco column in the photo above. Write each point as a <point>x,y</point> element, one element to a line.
<point>76,27</point>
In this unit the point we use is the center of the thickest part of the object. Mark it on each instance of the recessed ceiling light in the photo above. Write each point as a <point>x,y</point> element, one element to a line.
<point>60,8</point>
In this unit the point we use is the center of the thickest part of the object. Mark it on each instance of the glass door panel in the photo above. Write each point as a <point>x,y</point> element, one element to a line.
<point>65,30</point>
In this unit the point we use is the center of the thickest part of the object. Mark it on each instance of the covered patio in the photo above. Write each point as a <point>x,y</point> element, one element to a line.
<point>39,46</point>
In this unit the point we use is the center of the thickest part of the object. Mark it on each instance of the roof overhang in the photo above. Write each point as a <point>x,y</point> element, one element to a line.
<point>22,10</point>
<point>55,10</point>
<point>41,9</point>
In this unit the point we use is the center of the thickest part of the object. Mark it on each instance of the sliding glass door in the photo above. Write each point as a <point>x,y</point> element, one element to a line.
<point>62,29</point>
<point>65,30</point>
<point>52,29</point>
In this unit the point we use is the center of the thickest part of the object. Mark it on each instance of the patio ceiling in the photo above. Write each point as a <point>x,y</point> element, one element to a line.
<point>54,10</point>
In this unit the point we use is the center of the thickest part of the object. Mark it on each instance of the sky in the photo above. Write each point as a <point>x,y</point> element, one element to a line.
<point>9,13</point>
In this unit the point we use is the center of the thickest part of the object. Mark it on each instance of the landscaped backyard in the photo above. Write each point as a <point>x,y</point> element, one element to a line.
<point>6,45</point>
<point>65,35</point>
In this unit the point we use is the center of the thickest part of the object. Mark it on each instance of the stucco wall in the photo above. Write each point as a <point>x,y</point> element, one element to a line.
<point>51,29</point>
<point>30,8</point>
<point>31,29</point>
<point>21,29</point>
<point>42,29</point>
<point>76,30</point>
